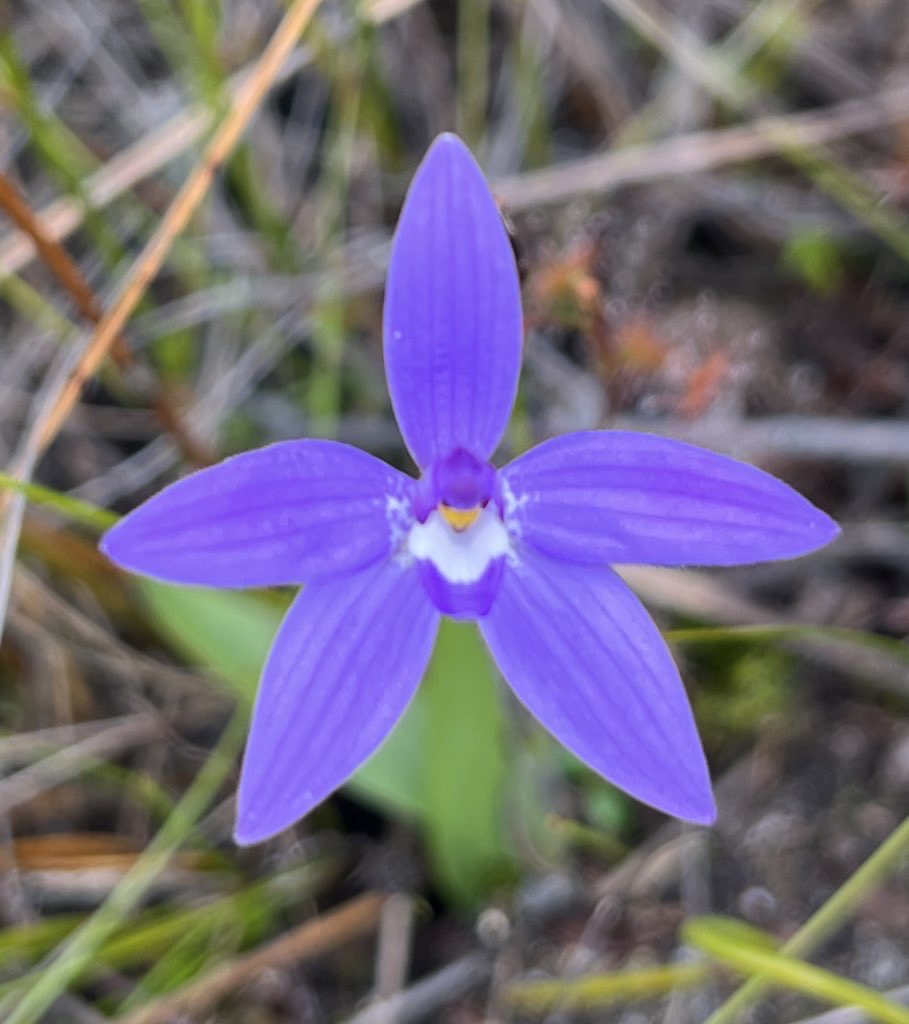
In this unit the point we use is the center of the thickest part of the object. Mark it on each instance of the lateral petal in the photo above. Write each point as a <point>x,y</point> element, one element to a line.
<point>288,513</point>
<point>620,497</point>
<point>453,323</point>
<point>344,665</point>
<point>585,658</point>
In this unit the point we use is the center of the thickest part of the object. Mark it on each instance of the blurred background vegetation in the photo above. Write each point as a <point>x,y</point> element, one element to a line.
<point>710,202</point>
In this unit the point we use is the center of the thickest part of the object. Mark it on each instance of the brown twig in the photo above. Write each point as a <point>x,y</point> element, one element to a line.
<point>315,938</point>
<point>58,261</point>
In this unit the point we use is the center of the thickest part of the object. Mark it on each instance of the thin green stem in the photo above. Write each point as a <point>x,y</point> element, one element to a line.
<point>598,990</point>
<point>72,508</point>
<point>730,946</point>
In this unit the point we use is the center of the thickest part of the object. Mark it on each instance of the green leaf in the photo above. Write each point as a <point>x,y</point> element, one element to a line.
<point>392,779</point>
<point>465,766</point>
<point>223,632</point>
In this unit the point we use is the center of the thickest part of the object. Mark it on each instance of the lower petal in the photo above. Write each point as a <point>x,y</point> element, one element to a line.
<point>585,658</point>
<point>346,662</point>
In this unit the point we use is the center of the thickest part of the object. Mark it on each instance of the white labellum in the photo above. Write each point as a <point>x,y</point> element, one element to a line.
<point>460,556</point>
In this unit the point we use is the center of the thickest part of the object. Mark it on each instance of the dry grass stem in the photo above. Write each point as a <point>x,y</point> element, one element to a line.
<point>123,735</point>
<point>698,152</point>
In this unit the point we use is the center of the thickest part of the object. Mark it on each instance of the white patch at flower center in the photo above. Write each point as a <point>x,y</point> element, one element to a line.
<point>461,556</point>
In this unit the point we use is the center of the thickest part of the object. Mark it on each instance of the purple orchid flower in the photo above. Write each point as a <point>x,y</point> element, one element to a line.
<point>524,550</point>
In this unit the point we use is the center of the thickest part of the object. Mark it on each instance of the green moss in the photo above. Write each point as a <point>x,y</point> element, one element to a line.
<point>738,692</point>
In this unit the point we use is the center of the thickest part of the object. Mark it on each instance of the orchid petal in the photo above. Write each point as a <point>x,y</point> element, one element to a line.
<point>346,662</point>
<point>453,322</point>
<point>287,513</point>
<point>613,496</point>
<point>584,657</point>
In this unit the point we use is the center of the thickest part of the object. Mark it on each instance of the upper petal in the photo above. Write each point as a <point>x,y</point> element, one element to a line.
<point>453,322</point>
<point>346,662</point>
<point>584,657</point>
<point>613,496</point>
<point>287,513</point>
